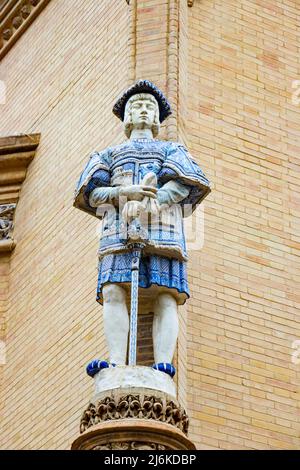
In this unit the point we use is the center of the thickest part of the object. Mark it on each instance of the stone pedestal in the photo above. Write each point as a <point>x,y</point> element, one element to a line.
<point>134,408</point>
<point>133,377</point>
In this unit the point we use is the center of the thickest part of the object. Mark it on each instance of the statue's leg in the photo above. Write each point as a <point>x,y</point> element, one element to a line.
<point>116,322</point>
<point>165,328</point>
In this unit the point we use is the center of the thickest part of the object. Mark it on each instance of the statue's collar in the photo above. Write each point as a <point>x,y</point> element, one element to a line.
<point>142,139</point>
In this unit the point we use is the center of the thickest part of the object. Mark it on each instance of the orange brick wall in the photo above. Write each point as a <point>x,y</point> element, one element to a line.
<point>244,311</point>
<point>228,69</point>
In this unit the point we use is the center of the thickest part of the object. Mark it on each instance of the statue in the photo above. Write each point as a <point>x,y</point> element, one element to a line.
<point>140,189</point>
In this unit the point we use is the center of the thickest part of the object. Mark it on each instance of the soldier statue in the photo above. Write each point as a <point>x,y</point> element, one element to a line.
<point>147,179</point>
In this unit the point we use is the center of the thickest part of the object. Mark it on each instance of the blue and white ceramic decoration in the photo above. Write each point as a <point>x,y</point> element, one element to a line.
<point>165,367</point>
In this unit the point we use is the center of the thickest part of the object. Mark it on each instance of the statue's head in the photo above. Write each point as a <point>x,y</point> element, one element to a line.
<point>141,112</point>
<point>142,106</point>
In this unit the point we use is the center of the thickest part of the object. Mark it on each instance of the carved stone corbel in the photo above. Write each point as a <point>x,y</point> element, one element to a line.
<point>16,153</point>
<point>6,226</point>
<point>134,419</point>
<point>190,3</point>
<point>6,220</point>
<point>15,17</point>
<point>139,406</point>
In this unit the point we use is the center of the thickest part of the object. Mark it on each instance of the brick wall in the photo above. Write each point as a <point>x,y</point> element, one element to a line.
<point>64,86</point>
<point>244,309</point>
<point>4,271</point>
<point>4,280</point>
<point>228,69</point>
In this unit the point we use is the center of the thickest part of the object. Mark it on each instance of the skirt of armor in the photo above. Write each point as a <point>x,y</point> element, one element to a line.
<point>157,274</point>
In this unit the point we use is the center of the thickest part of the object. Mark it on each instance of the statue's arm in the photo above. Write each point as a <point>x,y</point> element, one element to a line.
<point>172,192</point>
<point>110,195</point>
<point>182,178</point>
<point>96,175</point>
<point>99,196</point>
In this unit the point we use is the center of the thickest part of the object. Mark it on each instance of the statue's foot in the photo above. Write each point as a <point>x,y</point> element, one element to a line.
<point>96,365</point>
<point>165,367</point>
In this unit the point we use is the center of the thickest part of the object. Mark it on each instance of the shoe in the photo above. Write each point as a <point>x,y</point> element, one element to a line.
<point>165,367</point>
<point>96,365</point>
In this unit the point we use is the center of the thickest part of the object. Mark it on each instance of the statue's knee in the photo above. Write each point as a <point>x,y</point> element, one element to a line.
<point>166,301</point>
<point>113,293</point>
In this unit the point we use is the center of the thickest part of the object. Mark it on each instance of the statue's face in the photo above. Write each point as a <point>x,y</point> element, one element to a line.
<point>143,113</point>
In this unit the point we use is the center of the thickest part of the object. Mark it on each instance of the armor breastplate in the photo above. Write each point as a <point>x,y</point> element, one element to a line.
<point>130,164</point>
<point>127,164</point>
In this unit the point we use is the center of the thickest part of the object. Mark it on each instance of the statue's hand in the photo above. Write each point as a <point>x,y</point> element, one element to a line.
<point>131,210</point>
<point>137,192</point>
<point>151,206</point>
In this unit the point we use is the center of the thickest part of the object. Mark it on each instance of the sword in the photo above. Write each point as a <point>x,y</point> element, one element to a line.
<point>137,239</point>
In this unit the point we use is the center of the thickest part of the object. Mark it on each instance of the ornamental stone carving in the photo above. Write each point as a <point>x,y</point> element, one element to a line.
<point>132,434</point>
<point>16,153</point>
<point>6,220</point>
<point>15,18</point>
<point>137,407</point>
<point>131,445</point>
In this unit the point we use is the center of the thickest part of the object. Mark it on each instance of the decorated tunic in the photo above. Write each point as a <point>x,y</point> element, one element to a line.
<point>181,184</point>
